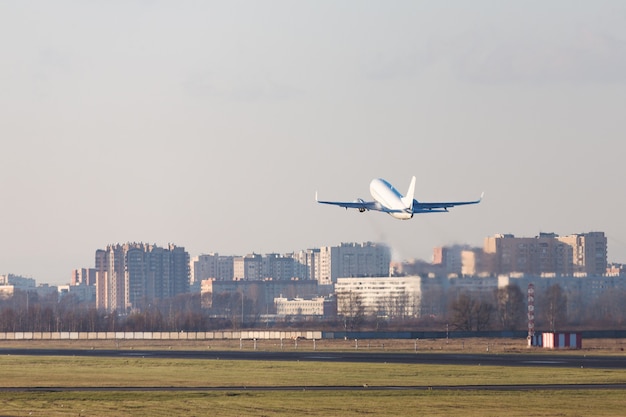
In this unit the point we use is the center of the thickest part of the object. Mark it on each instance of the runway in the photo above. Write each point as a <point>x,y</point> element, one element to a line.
<point>512,387</point>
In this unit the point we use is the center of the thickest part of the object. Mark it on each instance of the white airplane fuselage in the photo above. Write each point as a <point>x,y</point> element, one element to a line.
<point>389,200</point>
<point>386,195</point>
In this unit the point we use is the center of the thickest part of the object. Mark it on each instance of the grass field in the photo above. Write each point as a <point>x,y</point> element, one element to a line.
<point>50,372</point>
<point>310,403</point>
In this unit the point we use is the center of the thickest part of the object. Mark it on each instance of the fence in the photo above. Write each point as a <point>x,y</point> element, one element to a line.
<point>220,335</point>
<point>279,335</point>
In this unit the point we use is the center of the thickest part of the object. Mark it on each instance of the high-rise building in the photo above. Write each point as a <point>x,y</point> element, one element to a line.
<point>307,264</point>
<point>211,266</point>
<point>83,276</point>
<point>547,253</point>
<point>353,260</point>
<point>453,259</point>
<point>589,252</point>
<point>134,274</point>
<point>249,267</point>
<point>278,267</point>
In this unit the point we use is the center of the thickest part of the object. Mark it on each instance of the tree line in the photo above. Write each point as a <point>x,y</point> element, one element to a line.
<point>503,309</point>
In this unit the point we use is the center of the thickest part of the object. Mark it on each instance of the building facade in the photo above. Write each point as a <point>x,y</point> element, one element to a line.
<point>307,264</point>
<point>19,282</point>
<point>314,306</point>
<point>83,276</point>
<point>589,252</point>
<point>132,275</point>
<point>546,253</point>
<point>249,267</point>
<point>353,260</point>
<point>323,265</point>
<point>211,266</point>
<point>260,293</point>
<point>392,297</point>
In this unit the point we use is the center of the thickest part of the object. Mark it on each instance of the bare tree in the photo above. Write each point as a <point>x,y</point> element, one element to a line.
<point>462,317</point>
<point>607,310</point>
<point>470,313</point>
<point>352,309</point>
<point>510,307</point>
<point>553,307</point>
<point>395,306</point>
<point>483,312</point>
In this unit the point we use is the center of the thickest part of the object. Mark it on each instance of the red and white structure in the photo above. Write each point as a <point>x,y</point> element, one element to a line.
<point>562,340</point>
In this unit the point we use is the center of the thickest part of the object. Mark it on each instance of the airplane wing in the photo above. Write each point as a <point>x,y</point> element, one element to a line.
<point>359,204</point>
<point>419,207</point>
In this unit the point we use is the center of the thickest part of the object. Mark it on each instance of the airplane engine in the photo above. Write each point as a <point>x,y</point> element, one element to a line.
<point>361,209</point>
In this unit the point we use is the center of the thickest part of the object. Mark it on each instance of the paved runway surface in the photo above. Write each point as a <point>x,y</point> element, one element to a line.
<point>485,359</point>
<point>522,387</point>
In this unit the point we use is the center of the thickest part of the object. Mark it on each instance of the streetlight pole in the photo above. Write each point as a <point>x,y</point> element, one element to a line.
<point>242,309</point>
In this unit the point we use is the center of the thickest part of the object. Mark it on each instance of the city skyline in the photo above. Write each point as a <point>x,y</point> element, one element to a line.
<point>82,274</point>
<point>213,125</point>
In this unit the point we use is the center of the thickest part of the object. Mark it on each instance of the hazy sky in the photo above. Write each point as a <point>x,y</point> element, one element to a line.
<point>211,124</point>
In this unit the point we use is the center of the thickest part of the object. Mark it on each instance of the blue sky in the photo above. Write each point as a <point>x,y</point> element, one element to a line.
<point>212,124</point>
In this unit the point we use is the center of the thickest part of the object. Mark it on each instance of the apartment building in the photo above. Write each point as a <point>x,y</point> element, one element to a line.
<point>353,260</point>
<point>134,274</point>
<point>379,296</point>
<point>530,255</point>
<point>546,253</point>
<point>212,265</point>
<point>458,259</point>
<point>307,264</point>
<point>323,265</point>
<point>19,282</point>
<point>589,252</point>
<point>249,267</point>
<point>83,276</point>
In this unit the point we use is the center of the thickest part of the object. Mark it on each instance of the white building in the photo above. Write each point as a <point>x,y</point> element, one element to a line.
<point>380,296</point>
<point>316,306</point>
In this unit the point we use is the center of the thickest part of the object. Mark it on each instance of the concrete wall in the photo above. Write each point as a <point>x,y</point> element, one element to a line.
<point>246,334</point>
<point>277,335</point>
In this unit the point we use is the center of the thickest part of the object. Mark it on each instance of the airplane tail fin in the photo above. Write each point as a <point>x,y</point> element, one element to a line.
<point>408,197</point>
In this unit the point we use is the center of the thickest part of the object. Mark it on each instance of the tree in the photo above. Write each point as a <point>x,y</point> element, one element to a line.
<point>554,307</point>
<point>510,307</point>
<point>395,306</point>
<point>607,310</point>
<point>462,318</point>
<point>351,307</point>
<point>483,311</point>
<point>469,314</point>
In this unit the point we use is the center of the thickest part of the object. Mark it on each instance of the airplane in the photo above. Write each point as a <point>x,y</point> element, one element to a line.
<point>389,200</point>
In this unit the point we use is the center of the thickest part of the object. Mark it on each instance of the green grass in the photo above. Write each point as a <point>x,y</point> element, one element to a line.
<point>315,403</point>
<point>35,371</point>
